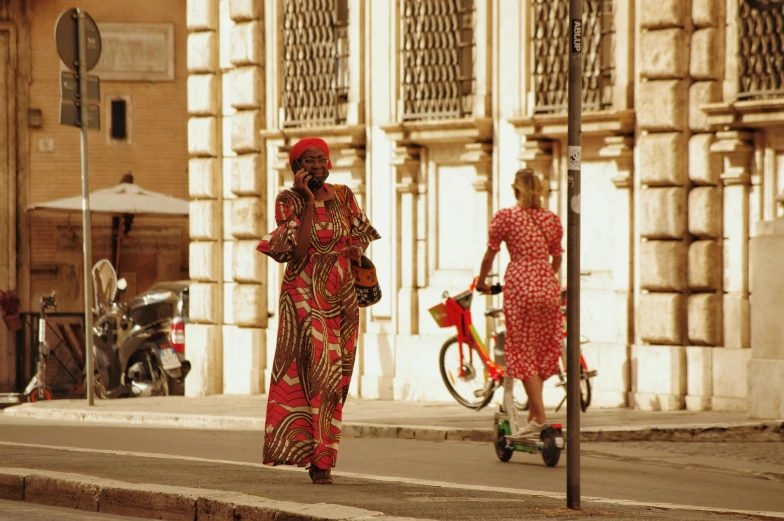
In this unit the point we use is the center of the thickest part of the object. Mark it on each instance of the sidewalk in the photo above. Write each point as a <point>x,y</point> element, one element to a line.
<point>408,420</point>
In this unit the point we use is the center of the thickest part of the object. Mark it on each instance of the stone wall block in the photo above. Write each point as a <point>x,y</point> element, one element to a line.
<point>245,128</point>
<point>203,177</point>
<point>246,88</point>
<point>663,213</point>
<point>661,159</point>
<point>203,261</point>
<point>205,353</point>
<point>203,136</point>
<point>699,380</point>
<point>704,325</point>
<point>664,53</point>
<point>204,219</point>
<point>663,265</point>
<point>248,264</point>
<point>203,95</point>
<point>705,64</point>
<point>246,175</point>
<point>244,10</point>
<point>202,15</point>
<point>702,93</point>
<point>663,105</point>
<point>246,44</point>
<point>204,303</point>
<point>705,266</point>
<point>705,212</point>
<point>250,305</point>
<point>663,13</point>
<point>662,318</point>
<point>704,165</point>
<point>203,52</point>
<point>248,218</point>
<point>705,13</point>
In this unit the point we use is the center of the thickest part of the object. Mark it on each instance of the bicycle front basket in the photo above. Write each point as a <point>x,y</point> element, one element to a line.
<point>464,299</point>
<point>441,315</point>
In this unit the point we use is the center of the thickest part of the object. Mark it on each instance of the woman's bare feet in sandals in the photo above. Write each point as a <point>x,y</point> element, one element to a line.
<point>320,476</point>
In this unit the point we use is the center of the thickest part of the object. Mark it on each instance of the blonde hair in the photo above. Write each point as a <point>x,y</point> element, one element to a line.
<point>529,189</point>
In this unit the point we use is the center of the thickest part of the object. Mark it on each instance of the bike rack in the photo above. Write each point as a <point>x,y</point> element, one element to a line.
<point>27,344</point>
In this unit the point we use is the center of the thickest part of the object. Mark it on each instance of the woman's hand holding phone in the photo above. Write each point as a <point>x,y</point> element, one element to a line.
<point>301,178</point>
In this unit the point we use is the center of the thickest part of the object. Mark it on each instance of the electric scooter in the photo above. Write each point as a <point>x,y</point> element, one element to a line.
<point>549,442</point>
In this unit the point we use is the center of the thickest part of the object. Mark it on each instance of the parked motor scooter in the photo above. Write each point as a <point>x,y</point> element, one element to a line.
<point>133,353</point>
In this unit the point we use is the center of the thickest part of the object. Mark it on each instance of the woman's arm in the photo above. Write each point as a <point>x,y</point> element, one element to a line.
<point>487,265</point>
<point>557,259</point>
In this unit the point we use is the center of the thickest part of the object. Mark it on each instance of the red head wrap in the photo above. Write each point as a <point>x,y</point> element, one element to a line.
<point>305,143</point>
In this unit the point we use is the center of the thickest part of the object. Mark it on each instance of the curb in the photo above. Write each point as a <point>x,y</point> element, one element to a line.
<point>90,494</point>
<point>765,431</point>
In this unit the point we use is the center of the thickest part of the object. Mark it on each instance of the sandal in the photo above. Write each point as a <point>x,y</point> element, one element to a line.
<point>320,476</point>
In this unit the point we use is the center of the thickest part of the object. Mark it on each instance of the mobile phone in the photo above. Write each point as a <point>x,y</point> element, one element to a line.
<point>297,166</point>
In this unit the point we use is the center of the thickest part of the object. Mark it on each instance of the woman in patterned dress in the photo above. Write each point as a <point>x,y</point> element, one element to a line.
<point>316,236</point>
<point>534,332</point>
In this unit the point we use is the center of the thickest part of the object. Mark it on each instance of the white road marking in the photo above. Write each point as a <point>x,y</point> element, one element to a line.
<point>408,481</point>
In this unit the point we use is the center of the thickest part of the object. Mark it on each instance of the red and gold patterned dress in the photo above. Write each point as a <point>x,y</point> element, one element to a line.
<point>534,332</point>
<point>317,331</point>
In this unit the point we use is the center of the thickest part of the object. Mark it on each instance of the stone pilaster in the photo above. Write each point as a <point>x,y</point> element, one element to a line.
<point>203,334</point>
<point>245,343</point>
<point>407,165</point>
<point>661,206</point>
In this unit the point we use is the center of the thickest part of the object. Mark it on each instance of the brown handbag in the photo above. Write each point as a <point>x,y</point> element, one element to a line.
<point>365,278</point>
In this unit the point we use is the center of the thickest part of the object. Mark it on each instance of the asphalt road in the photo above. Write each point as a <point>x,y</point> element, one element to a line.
<point>377,473</point>
<point>16,511</point>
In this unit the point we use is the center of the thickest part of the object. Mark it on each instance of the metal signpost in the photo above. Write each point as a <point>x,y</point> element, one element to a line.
<point>79,46</point>
<point>574,161</point>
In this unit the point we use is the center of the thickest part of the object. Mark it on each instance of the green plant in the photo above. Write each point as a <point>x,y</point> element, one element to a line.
<point>9,302</point>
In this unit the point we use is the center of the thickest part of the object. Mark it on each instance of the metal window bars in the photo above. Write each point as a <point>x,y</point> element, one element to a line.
<point>315,63</point>
<point>551,54</point>
<point>438,58</point>
<point>760,49</point>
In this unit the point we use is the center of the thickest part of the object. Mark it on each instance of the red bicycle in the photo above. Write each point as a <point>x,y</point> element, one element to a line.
<point>468,372</point>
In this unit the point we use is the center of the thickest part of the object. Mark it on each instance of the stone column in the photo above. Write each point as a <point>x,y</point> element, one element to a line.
<point>245,342</point>
<point>765,373</point>
<point>613,388</point>
<point>480,156</point>
<point>407,165</point>
<point>736,150</point>
<point>203,334</point>
<point>704,304</point>
<point>659,355</point>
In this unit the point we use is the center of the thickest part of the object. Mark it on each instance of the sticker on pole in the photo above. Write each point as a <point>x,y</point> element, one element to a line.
<point>575,158</point>
<point>575,204</point>
<point>577,36</point>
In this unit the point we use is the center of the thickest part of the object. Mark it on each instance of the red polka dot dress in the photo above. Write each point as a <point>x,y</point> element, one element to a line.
<point>534,331</point>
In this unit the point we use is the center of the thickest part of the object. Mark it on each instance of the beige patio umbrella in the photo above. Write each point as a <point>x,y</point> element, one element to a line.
<point>123,199</point>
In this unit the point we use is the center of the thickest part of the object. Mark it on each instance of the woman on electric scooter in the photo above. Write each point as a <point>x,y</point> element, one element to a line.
<point>534,331</point>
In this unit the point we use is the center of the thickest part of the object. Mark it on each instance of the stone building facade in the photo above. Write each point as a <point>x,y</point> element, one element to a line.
<point>429,107</point>
<point>143,73</point>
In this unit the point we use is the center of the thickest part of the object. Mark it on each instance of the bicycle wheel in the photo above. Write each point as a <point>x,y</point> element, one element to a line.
<point>469,383</point>
<point>585,391</point>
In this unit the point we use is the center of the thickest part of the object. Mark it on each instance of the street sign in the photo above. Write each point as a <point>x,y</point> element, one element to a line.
<point>78,43</point>
<point>69,87</point>
<point>66,39</point>
<point>70,114</point>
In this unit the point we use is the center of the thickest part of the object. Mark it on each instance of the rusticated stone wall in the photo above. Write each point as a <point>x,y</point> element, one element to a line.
<point>681,203</point>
